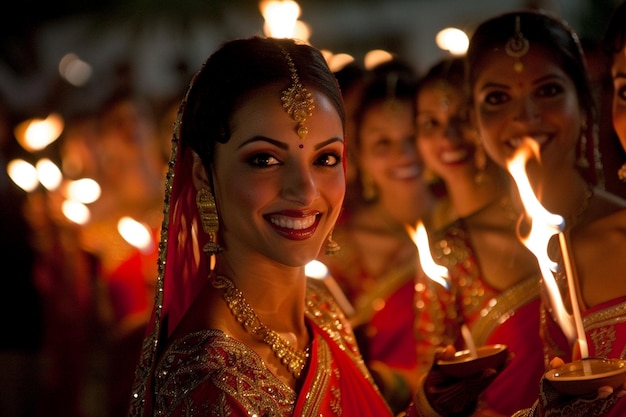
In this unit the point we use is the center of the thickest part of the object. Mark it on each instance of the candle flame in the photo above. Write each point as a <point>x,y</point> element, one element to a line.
<point>433,270</point>
<point>545,225</point>
<point>437,273</point>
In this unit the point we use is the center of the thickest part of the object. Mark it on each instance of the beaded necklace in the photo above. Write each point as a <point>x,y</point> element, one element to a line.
<point>293,359</point>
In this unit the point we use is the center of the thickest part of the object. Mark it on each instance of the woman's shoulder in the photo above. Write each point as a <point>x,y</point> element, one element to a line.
<point>605,212</point>
<point>200,365</point>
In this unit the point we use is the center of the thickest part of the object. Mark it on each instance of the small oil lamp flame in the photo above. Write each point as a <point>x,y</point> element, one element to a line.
<point>543,227</point>
<point>433,270</point>
<point>437,273</point>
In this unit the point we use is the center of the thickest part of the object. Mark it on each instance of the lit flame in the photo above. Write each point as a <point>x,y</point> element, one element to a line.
<point>433,270</point>
<point>437,273</point>
<point>544,226</point>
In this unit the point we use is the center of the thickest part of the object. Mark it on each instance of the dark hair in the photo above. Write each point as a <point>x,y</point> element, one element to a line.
<point>615,35</point>
<point>450,71</point>
<point>553,34</point>
<point>392,80</point>
<point>238,68</point>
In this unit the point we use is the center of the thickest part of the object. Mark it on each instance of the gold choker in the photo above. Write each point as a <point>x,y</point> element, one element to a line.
<point>293,359</point>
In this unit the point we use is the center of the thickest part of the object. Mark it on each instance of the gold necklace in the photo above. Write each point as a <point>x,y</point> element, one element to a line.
<point>293,359</point>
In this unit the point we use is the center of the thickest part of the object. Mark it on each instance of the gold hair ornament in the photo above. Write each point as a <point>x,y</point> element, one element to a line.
<point>297,100</point>
<point>517,46</point>
<point>209,220</point>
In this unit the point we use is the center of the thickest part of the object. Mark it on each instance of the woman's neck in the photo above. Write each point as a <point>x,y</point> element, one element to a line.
<point>469,196</point>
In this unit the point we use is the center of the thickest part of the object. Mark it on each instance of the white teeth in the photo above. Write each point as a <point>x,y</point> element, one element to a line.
<point>407,172</point>
<point>455,155</point>
<point>293,223</point>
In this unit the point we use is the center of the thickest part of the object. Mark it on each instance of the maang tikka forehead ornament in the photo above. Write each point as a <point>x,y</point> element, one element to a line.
<point>297,100</point>
<point>517,46</point>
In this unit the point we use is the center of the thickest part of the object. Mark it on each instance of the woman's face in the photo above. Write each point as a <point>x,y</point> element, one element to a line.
<point>540,102</point>
<point>279,195</point>
<point>388,154</point>
<point>618,72</point>
<point>446,138</point>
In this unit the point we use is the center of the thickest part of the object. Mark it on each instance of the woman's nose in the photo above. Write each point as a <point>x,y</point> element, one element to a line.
<point>526,111</point>
<point>300,184</point>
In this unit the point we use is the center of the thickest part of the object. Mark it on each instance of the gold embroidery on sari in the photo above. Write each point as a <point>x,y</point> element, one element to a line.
<point>503,307</point>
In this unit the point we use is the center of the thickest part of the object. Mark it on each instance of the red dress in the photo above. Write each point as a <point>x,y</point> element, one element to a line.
<point>509,317</point>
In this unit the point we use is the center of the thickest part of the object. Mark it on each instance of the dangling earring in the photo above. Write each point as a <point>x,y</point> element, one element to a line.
<point>621,173</point>
<point>209,220</point>
<point>585,157</point>
<point>369,191</point>
<point>332,247</point>
<point>480,161</point>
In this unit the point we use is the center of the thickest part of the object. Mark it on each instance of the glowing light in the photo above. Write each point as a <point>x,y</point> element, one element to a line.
<point>453,40</point>
<point>76,211</point>
<point>302,31</point>
<point>84,190</point>
<point>316,269</point>
<point>543,227</point>
<point>337,61</point>
<point>23,174</point>
<point>49,174</point>
<point>35,134</point>
<point>135,233</point>
<point>376,57</point>
<point>280,17</point>
<point>74,70</point>
<point>433,270</point>
<point>439,274</point>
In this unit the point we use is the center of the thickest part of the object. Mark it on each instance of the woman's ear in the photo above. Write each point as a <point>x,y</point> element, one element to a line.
<point>199,175</point>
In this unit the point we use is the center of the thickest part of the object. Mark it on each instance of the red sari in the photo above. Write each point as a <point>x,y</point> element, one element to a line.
<point>510,317</point>
<point>207,373</point>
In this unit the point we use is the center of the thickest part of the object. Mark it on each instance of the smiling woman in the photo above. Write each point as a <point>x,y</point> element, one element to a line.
<point>377,265</point>
<point>528,81</point>
<point>256,182</point>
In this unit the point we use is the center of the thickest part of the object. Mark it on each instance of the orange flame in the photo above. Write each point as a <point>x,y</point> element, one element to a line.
<point>544,226</point>
<point>437,273</point>
<point>433,270</point>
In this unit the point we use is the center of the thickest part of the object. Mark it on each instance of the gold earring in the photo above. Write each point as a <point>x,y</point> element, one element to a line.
<point>209,220</point>
<point>369,191</point>
<point>621,173</point>
<point>332,247</point>
<point>480,161</point>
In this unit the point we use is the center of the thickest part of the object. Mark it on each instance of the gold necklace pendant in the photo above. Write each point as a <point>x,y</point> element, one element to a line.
<point>293,359</point>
